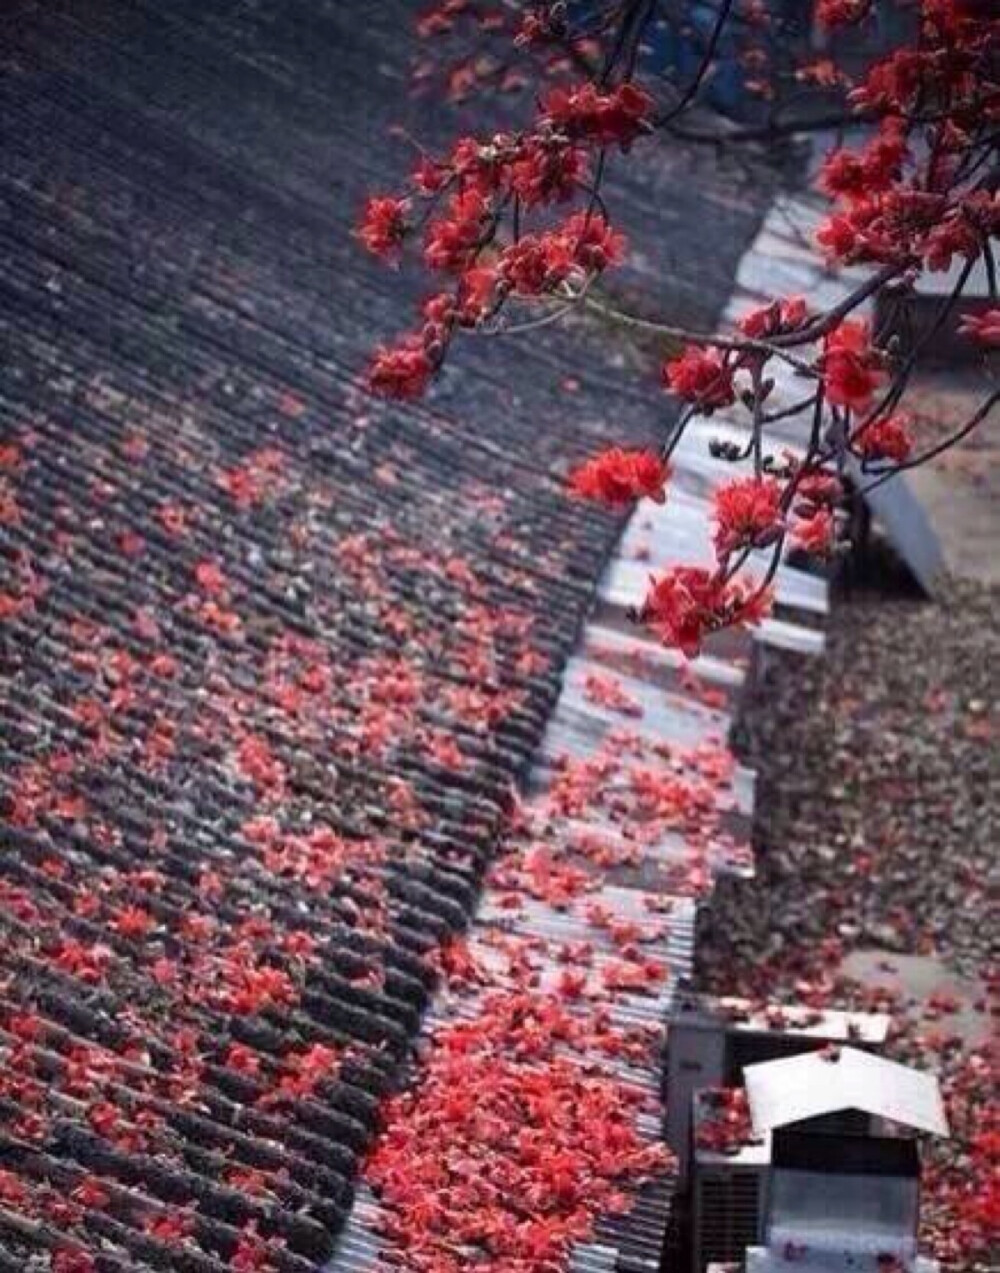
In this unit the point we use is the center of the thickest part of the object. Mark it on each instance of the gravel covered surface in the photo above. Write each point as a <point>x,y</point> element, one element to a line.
<point>879,812</point>
<point>880,772</point>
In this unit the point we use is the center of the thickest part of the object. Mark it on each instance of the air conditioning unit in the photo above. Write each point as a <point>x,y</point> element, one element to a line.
<point>710,1040</point>
<point>729,1178</point>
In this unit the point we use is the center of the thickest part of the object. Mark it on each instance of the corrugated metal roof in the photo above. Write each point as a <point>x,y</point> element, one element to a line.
<point>815,1083</point>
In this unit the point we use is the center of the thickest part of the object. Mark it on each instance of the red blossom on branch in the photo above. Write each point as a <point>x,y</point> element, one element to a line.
<point>401,372</point>
<point>619,477</point>
<point>596,245</point>
<point>852,368</point>
<point>983,328</point>
<point>780,316</point>
<point>520,220</point>
<point>747,514</point>
<point>815,534</point>
<point>687,604</point>
<point>837,13</point>
<point>616,117</point>
<point>384,226</point>
<point>702,377</point>
<point>888,438</point>
<point>548,171</point>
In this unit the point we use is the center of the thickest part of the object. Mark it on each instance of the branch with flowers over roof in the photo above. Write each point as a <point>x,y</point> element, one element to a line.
<point>517,227</point>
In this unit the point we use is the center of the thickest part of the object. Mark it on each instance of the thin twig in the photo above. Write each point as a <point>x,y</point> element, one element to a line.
<point>736,344</point>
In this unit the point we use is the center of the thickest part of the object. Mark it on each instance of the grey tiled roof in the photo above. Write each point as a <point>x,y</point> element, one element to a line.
<point>225,571</point>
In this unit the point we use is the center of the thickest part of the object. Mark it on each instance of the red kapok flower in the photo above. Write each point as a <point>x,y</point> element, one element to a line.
<point>548,172</point>
<point>13,1191</point>
<point>209,578</point>
<point>619,477</point>
<point>170,1226</point>
<point>817,490</point>
<point>477,291</point>
<point>747,513</point>
<point>537,263</point>
<point>240,1057</point>
<point>984,327</point>
<point>839,237</point>
<point>852,367</point>
<point>132,921</point>
<point>383,227</point>
<point>887,439</point>
<point>768,320</point>
<point>584,112</point>
<point>428,176</point>
<point>253,1253</point>
<point>403,371</point>
<point>855,175</point>
<point>689,602</point>
<point>839,13</point>
<point>700,375</point>
<point>815,534</point>
<point>843,174</point>
<point>595,244</point>
<point>453,240</point>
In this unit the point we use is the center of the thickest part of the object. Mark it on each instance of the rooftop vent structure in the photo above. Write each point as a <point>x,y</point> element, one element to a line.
<point>711,1039</point>
<point>844,1187</point>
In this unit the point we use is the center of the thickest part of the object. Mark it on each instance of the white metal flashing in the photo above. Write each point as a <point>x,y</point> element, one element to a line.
<point>816,1083</point>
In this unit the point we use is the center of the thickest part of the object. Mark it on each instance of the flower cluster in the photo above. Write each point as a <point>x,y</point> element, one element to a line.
<point>884,438</point>
<point>747,514</point>
<point>688,603</point>
<point>983,328</point>
<point>619,477</point>
<point>899,201</point>
<point>613,118</point>
<point>536,264</point>
<point>701,376</point>
<point>468,194</point>
<point>853,369</point>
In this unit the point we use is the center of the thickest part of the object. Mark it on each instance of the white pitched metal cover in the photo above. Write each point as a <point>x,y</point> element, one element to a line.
<point>816,1083</point>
